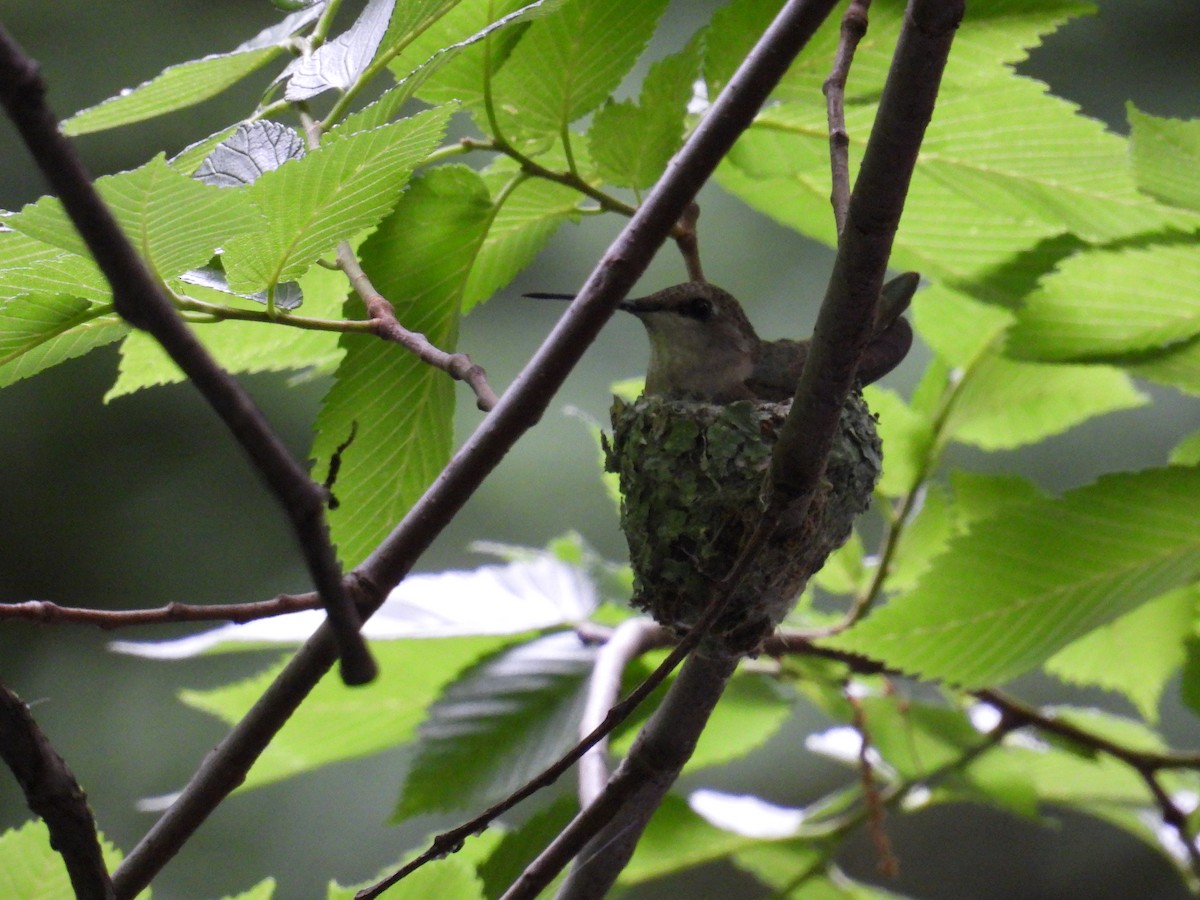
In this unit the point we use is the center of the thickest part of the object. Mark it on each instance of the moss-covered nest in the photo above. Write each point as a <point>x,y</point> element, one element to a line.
<point>692,475</point>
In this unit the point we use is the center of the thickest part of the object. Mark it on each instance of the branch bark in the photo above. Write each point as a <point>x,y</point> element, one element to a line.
<point>603,836</point>
<point>53,793</point>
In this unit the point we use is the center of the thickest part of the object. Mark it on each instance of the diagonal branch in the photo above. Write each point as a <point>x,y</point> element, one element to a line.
<point>142,301</point>
<point>53,793</point>
<point>847,315</point>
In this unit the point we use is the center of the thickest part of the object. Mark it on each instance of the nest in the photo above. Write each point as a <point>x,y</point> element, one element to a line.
<point>692,478</point>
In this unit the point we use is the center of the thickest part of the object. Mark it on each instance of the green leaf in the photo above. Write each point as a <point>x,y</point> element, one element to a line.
<point>243,346</point>
<point>419,259</point>
<point>307,205</point>
<point>1189,687</point>
<point>466,46</point>
<point>631,143</point>
<point>264,890</point>
<point>29,266</point>
<point>843,571</point>
<point>677,839</point>
<point>1022,585</point>
<point>1005,404</point>
<point>907,440</point>
<point>175,88</point>
<point>1062,776</point>
<point>450,879</point>
<point>338,723</point>
<point>923,539</point>
<point>1137,653</point>
<point>1001,403</point>
<point>780,863</point>
<point>1187,451</point>
<point>1109,302</point>
<point>985,187</point>
<point>1177,366</point>
<point>978,496</point>
<point>41,331</point>
<point>569,62</point>
<point>32,870</point>
<point>1166,154</point>
<point>917,739</point>
<point>500,723</point>
<point>174,222</point>
<point>521,846</point>
<point>752,709</point>
<point>531,213</point>
<point>187,84</point>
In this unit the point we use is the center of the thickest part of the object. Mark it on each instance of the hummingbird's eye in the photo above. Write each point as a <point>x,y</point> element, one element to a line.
<point>698,308</point>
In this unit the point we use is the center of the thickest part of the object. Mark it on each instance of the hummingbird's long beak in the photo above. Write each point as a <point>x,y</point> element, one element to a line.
<point>539,295</point>
<point>632,306</point>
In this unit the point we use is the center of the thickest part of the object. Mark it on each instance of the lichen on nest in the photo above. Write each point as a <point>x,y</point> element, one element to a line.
<point>692,477</point>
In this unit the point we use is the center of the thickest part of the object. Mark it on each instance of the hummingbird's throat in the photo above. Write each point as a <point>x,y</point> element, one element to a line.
<point>688,362</point>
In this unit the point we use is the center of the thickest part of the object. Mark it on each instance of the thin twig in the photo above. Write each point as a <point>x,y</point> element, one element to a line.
<point>682,231</point>
<point>44,612</point>
<point>53,793</point>
<point>1017,714</point>
<point>846,320</point>
<point>451,841</point>
<point>385,324</point>
<point>688,242</point>
<point>1174,816</point>
<point>1142,760</point>
<point>854,26</point>
<point>887,862</point>
<point>603,836</point>
<point>141,300</point>
<point>383,321</point>
<point>627,642</point>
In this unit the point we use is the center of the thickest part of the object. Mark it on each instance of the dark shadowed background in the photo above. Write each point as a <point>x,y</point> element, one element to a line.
<point>146,500</point>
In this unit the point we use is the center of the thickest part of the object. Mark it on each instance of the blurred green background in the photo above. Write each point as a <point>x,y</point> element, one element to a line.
<point>146,501</point>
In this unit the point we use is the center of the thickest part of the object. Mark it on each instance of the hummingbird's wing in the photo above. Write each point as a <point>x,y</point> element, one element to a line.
<point>886,351</point>
<point>894,299</point>
<point>777,370</point>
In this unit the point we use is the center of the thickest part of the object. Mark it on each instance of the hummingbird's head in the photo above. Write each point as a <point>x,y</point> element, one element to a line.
<point>702,346</point>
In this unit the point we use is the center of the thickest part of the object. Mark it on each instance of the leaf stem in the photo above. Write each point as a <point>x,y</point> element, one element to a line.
<point>321,30</point>
<point>213,312</point>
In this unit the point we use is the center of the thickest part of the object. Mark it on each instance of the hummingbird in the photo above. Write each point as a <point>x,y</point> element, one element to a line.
<point>702,346</point>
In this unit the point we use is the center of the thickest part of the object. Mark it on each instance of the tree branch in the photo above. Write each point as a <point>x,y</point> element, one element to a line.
<point>44,612</point>
<point>141,300</point>
<point>846,319</point>
<point>854,26</point>
<point>53,793</point>
<point>385,324</point>
<point>603,836</point>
